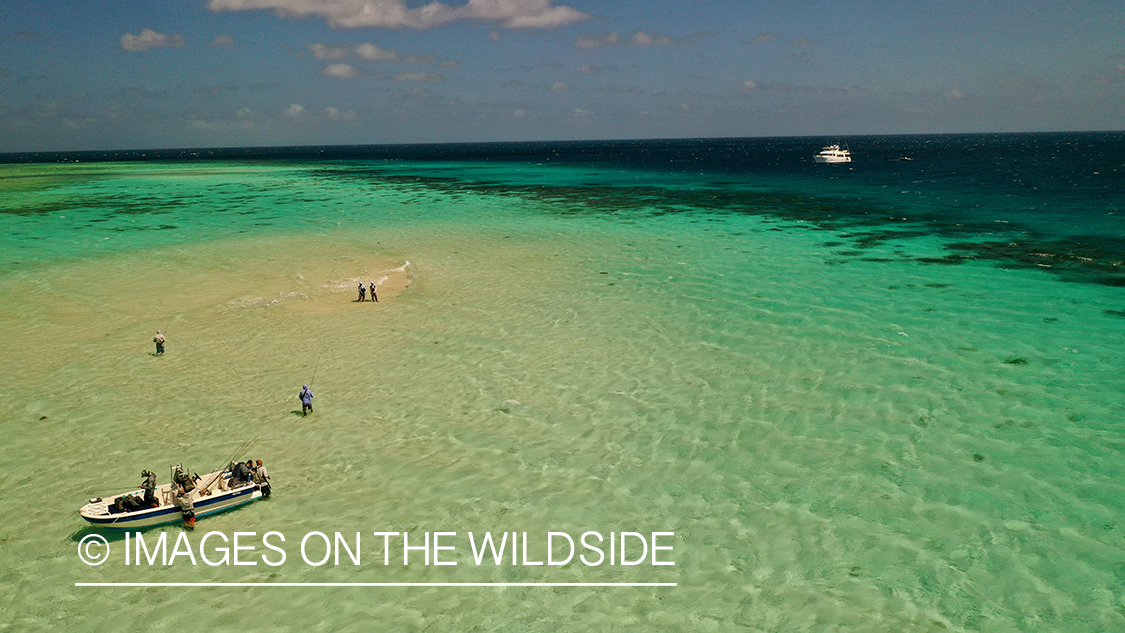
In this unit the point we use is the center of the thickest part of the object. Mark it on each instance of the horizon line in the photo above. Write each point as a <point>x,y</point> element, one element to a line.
<point>229,148</point>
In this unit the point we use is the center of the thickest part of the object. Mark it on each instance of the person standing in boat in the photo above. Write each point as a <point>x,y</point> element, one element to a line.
<point>159,340</point>
<point>262,478</point>
<point>183,479</point>
<point>149,485</point>
<point>306,397</point>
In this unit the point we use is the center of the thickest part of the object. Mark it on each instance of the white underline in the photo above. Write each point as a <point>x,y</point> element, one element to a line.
<point>375,584</point>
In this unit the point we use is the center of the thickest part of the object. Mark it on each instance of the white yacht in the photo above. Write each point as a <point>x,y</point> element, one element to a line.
<point>833,154</point>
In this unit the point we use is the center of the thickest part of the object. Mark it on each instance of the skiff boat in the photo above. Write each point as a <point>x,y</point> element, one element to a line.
<point>212,494</point>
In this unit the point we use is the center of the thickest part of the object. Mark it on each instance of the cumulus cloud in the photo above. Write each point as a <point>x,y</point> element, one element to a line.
<point>149,38</point>
<point>294,110</point>
<point>329,52</point>
<point>598,41</point>
<point>374,53</point>
<point>371,52</point>
<point>340,71</point>
<point>396,14</point>
<point>336,114</point>
<point>640,38</point>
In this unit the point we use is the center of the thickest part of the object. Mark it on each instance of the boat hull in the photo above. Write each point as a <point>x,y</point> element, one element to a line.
<point>833,154</point>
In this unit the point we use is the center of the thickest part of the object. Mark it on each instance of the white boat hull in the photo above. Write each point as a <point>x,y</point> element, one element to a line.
<point>833,154</point>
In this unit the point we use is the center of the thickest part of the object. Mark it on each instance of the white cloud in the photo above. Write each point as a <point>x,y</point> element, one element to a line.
<point>518,114</point>
<point>328,51</point>
<point>294,110</point>
<point>374,53</point>
<point>336,114</point>
<point>597,41</point>
<point>223,41</point>
<point>956,93</point>
<point>396,13</point>
<point>560,85</point>
<point>149,38</point>
<point>549,18</point>
<point>749,84</point>
<point>578,112</point>
<point>640,38</point>
<point>340,71</point>
<point>366,51</point>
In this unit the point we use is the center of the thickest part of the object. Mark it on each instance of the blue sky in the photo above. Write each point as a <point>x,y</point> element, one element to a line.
<point>133,74</point>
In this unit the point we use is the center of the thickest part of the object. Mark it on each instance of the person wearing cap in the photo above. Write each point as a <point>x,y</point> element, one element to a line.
<point>362,291</point>
<point>149,485</point>
<point>262,478</point>
<point>159,340</point>
<point>182,479</point>
<point>306,397</point>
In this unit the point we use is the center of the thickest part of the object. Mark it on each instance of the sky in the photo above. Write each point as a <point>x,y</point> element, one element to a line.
<point>150,74</point>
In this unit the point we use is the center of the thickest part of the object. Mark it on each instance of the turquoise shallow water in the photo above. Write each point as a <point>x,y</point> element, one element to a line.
<point>845,428</point>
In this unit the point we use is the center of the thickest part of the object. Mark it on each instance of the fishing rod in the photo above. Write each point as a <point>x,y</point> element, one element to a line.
<point>316,367</point>
<point>244,447</point>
